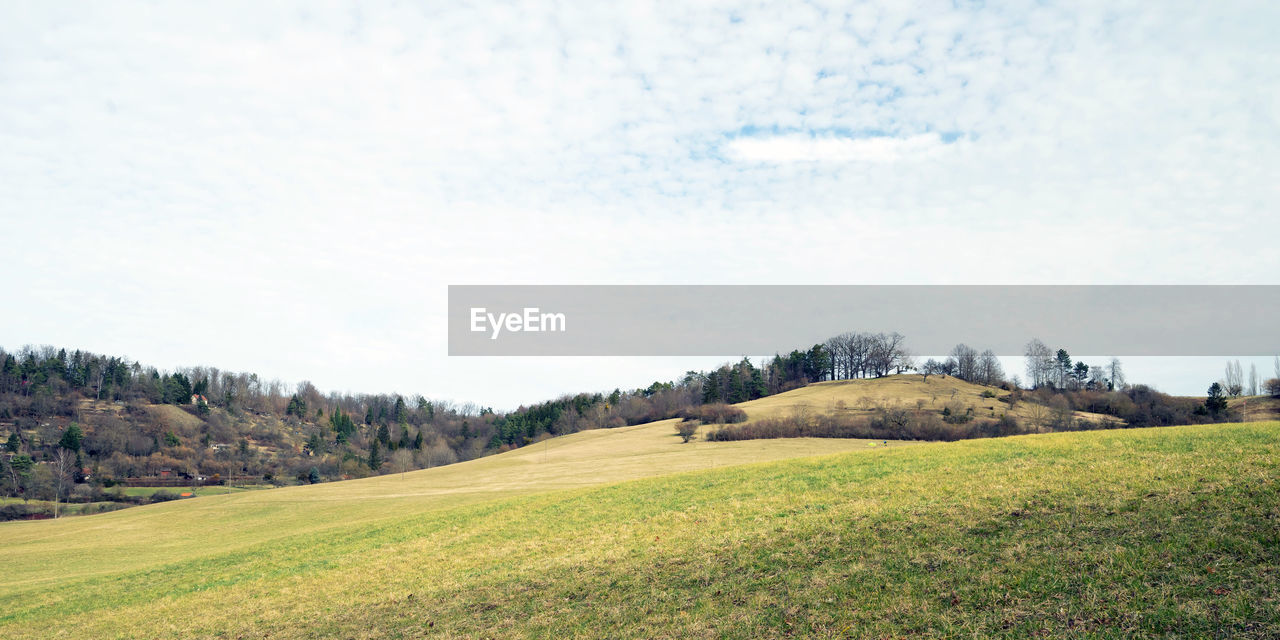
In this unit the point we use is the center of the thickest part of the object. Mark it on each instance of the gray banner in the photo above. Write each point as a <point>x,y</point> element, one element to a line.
<point>714,320</point>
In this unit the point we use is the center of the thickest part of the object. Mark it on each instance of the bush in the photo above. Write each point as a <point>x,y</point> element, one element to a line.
<point>687,429</point>
<point>23,511</point>
<point>164,496</point>
<point>887,424</point>
<point>716,413</point>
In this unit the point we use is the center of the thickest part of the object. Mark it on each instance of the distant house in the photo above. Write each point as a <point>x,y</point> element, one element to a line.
<point>197,399</point>
<point>165,473</point>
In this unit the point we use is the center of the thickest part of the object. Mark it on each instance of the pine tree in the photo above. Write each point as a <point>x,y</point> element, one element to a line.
<point>71,438</point>
<point>400,409</point>
<point>1216,402</point>
<point>375,457</point>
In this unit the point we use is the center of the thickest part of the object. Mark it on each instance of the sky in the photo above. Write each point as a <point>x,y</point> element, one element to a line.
<point>289,188</point>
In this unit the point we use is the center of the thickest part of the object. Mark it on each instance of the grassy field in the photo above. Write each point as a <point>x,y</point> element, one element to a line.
<point>1171,532</point>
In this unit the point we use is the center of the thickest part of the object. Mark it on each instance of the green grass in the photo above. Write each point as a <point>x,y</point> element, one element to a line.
<point>1170,532</point>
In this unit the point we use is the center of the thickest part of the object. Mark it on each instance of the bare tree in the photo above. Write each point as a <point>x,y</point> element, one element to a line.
<point>930,367</point>
<point>1037,415</point>
<point>1234,380</point>
<point>1097,377</point>
<point>1040,364</point>
<point>966,362</point>
<point>62,465</point>
<point>1253,379</point>
<point>402,459</point>
<point>989,371</point>
<point>1115,374</point>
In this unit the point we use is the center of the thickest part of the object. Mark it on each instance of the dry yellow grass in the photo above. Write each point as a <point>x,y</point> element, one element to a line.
<point>1254,408</point>
<point>157,534</point>
<point>173,417</point>
<point>908,391</point>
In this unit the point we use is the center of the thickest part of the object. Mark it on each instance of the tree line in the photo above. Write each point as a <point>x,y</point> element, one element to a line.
<point>242,426</point>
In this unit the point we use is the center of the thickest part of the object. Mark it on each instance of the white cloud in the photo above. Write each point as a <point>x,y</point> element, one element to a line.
<point>805,148</point>
<point>278,181</point>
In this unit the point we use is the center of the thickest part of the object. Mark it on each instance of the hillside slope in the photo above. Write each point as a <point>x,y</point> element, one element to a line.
<point>33,553</point>
<point>1153,532</point>
<point>908,391</point>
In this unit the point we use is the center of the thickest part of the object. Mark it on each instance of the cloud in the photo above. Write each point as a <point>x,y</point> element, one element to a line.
<point>802,148</point>
<point>275,180</point>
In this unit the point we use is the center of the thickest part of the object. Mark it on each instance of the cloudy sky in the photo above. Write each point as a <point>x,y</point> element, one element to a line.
<point>289,188</point>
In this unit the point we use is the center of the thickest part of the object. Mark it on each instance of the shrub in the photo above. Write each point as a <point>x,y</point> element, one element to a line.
<point>23,511</point>
<point>687,429</point>
<point>887,424</point>
<point>164,496</point>
<point>716,413</point>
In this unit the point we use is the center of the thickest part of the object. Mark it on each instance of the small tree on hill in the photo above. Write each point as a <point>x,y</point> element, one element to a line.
<point>375,456</point>
<point>1272,387</point>
<point>1216,402</point>
<point>687,429</point>
<point>71,438</point>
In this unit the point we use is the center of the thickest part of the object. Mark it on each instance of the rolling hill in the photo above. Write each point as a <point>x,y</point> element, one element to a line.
<point>629,533</point>
<point>908,391</point>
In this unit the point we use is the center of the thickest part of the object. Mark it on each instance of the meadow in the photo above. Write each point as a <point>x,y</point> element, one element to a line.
<point>628,533</point>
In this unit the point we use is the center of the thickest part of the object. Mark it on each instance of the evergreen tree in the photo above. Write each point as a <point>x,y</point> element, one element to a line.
<point>342,426</point>
<point>297,407</point>
<point>1216,402</point>
<point>384,436</point>
<point>401,410</point>
<point>375,457</point>
<point>758,388</point>
<point>1081,372</point>
<point>71,438</point>
<point>13,444</point>
<point>417,440</point>
<point>711,390</point>
<point>315,444</point>
<point>1064,367</point>
<point>313,476</point>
